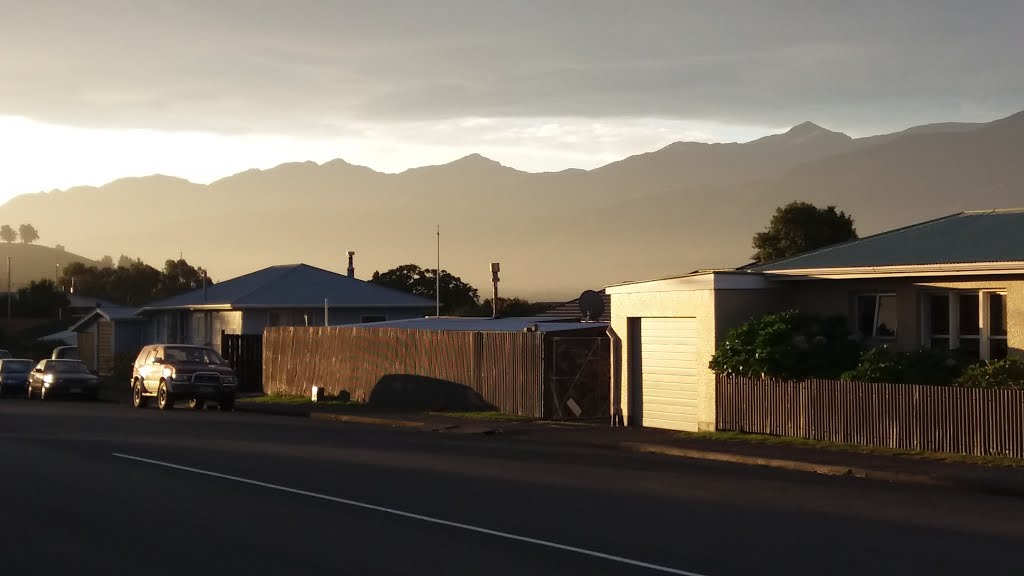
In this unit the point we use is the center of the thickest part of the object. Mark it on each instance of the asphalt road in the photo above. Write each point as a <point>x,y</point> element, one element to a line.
<point>95,488</point>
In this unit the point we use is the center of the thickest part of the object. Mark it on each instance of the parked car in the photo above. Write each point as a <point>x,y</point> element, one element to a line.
<point>171,372</point>
<point>65,353</point>
<point>14,373</point>
<point>63,378</point>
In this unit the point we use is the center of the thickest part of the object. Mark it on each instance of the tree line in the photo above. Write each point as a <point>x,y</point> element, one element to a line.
<point>26,232</point>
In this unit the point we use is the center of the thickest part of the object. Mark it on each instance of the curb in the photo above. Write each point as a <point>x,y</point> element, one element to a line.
<point>973,484</point>
<point>796,465</point>
<point>336,417</point>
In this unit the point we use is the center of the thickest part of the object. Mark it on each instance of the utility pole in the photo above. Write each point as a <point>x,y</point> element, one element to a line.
<point>9,295</point>
<point>495,268</point>
<point>437,273</point>
<point>56,289</point>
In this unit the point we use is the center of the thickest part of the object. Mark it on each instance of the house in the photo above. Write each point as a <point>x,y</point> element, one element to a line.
<point>107,333</point>
<point>952,283</point>
<point>80,306</point>
<point>572,309</point>
<point>292,295</point>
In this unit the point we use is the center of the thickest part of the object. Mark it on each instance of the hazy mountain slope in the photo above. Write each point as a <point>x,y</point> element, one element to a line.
<point>33,262</point>
<point>667,212</point>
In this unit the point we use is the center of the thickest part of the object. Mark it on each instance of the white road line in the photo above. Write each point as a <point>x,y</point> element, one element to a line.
<point>584,551</point>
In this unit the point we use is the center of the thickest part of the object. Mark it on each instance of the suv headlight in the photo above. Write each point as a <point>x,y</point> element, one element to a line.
<point>169,373</point>
<point>48,379</point>
<point>228,379</point>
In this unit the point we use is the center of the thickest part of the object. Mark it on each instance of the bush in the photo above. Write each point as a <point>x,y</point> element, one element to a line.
<point>881,364</point>
<point>1006,373</point>
<point>787,345</point>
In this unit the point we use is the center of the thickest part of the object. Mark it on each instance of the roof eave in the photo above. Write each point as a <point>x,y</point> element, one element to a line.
<point>916,270</point>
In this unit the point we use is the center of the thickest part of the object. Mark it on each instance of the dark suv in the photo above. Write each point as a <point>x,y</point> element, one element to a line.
<point>173,372</point>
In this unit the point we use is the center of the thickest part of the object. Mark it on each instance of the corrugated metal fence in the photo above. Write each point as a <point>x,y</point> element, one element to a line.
<point>903,416</point>
<point>410,368</point>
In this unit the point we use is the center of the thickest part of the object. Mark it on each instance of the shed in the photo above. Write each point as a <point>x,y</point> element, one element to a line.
<point>106,333</point>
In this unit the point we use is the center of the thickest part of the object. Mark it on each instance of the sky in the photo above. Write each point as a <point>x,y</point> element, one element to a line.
<point>95,90</point>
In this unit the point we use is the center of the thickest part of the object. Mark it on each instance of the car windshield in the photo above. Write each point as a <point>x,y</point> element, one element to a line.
<point>16,365</point>
<point>69,366</point>
<point>192,354</point>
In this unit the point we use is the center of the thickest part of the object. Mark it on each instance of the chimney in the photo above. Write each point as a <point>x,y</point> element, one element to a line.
<point>351,266</point>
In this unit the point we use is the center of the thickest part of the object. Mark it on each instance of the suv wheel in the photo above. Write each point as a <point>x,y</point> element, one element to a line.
<point>138,400</point>
<point>30,393</point>
<point>196,403</point>
<point>42,393</point>
<point>163,397</point>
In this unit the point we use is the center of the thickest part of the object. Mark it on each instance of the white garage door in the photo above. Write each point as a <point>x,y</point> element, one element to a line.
<point>668,364</point>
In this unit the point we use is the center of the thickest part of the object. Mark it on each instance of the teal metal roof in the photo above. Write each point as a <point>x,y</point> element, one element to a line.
<point>964,238</point>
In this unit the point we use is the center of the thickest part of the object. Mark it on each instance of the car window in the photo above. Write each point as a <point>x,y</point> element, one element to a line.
<point>67,367</point>
<point>151,356</point>
<point>15,366</point>
<point>192,354</point>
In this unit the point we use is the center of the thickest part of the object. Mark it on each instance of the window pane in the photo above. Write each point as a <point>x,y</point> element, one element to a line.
<point>940,343</point>
<point>997,349</point>
<point>970,324</point>
<point>887,317</point>
<point>997,314</point>
<point>938,314</point>
<point>971,347</point>
<point>866,315</point>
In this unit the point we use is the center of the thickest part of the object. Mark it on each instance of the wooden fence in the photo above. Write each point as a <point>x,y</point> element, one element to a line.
<point>245,354</point>
<point>410,368</point>
<point>903,416</point>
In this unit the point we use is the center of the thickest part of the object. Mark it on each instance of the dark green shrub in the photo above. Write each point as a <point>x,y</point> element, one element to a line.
<point>882,364</point>
<point>787,345</point>
<point>1006,373</point>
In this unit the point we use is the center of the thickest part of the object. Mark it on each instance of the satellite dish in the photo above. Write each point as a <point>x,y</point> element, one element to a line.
<point>591,306</point>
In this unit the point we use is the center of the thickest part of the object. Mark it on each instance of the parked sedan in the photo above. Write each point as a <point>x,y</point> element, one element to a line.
<point>14,374</point>
<point>63,378</point>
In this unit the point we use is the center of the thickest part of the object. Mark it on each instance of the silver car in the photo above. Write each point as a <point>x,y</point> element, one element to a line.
<point>63,378</point>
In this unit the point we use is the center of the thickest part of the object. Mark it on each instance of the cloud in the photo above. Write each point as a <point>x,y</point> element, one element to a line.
<point>317,68</point>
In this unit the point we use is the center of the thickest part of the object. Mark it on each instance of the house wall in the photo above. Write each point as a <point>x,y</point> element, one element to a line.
<point>715,311</point>
<point>87,345</point>
<point>836,297</point>
<point>128,337</point>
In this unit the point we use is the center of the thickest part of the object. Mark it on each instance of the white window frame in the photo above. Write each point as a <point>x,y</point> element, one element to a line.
<point>874,326</point>
<point>984,336</point>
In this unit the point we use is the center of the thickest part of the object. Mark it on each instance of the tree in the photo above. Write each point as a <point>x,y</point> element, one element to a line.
<point>179,277</point>
<point>107,262</point>
<point>28,233</point>
<point>456,296</point>
<point>512,308</point>
<point>126,262</point>
<point>800,227</point>
<point>7,234</point>
<point>39,299</point>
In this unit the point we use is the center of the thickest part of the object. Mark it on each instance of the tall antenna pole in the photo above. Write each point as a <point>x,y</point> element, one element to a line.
<point>437,273</point>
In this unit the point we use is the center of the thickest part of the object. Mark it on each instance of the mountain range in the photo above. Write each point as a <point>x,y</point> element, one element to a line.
<point>686,206</point>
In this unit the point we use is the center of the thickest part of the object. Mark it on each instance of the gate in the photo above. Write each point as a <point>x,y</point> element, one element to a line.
<point>245,354</point>
<point>578,377</point>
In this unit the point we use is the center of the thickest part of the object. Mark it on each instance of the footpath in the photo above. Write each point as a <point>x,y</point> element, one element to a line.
<point>835,461</point>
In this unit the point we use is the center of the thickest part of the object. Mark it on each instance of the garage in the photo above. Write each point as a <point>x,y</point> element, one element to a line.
<point>668,373</point>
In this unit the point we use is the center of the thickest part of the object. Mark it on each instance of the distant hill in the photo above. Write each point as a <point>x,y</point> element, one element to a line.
<point>33,262</point>
<point>686,206</point>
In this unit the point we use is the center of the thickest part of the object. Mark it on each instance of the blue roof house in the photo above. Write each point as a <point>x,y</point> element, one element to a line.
<point>292,295</point>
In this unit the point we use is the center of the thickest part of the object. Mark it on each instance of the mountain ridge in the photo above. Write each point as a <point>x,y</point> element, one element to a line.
<point>685,206</point>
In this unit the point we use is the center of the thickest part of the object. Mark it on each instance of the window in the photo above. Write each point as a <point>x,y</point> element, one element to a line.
<point>996,326</point>
<point>877,316</point>
<point>373,318</point>
<point>972,322</point>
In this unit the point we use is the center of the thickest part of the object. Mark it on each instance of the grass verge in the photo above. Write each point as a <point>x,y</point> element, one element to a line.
<point>999,461</point>
<point>295,400</point>
<point>490,416</point>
